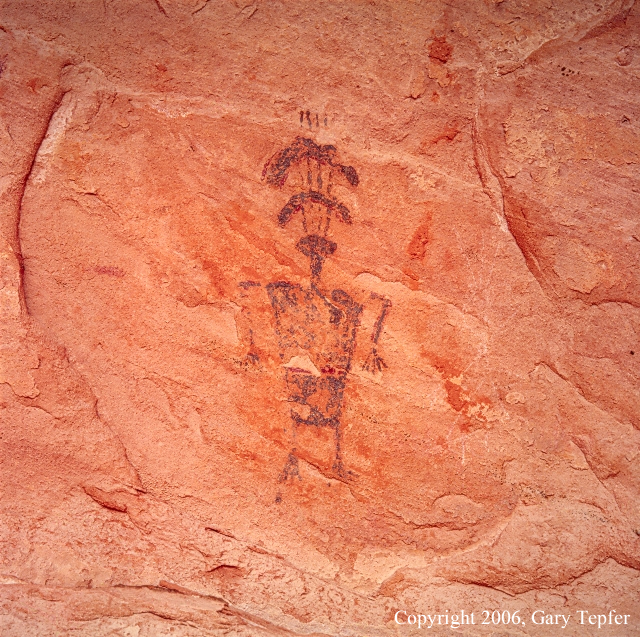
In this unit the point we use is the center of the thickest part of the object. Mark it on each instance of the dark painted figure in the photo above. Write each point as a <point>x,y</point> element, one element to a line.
<point>316,329</point>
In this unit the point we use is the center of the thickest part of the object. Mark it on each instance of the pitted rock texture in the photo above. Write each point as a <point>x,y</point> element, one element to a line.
<point>469,440</point>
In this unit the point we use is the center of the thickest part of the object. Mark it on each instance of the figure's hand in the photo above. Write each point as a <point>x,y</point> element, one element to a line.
<point>374,362</point>
<point>251,360</point>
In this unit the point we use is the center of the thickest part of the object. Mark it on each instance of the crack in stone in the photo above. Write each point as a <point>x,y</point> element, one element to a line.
<point>23,188</point>
<point>206,2</point>
<point>482,163</point>
<point>161,8</point>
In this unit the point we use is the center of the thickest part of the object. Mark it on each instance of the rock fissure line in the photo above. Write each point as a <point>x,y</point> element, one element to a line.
<point>161,8</point>
<point>57,101</point>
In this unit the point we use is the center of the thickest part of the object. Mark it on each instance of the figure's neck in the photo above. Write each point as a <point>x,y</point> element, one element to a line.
<point>317,249</point>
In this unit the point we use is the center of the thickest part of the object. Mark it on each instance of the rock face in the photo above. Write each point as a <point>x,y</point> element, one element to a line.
<point>317,312</point>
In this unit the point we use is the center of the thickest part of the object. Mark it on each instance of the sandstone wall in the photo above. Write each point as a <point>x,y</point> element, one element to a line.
<point>151,481</point>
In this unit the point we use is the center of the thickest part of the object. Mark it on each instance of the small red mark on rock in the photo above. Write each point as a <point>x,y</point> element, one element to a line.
<point>109,270</point>
<point>454,395</point>
<point>624,56</point>
<point>216,276</point>
<point>440,50</point>
<point>417,247</point>
<point>448,134</point>
<point>35,84</point>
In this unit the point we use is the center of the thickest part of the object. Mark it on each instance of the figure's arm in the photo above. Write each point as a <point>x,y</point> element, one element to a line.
<point>245,321</point>
<point>375,362</point>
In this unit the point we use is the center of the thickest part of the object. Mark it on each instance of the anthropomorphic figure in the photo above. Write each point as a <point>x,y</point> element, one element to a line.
<point>316,328</point>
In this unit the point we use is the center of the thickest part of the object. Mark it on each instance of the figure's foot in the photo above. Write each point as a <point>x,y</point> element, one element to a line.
<point>251,360</point>
<point>290,470</point>
<point>343,474</point>
<point>374,363</point>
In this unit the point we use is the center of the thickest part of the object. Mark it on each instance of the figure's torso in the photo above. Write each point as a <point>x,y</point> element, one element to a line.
<point>326,328</point>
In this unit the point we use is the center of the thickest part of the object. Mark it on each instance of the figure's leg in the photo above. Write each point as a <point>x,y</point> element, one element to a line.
<point>337,465</point>
<point>300,387</point>
<point>290,469</point>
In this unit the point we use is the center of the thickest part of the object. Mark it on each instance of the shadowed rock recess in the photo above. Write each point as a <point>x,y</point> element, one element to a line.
<point>314,312</point>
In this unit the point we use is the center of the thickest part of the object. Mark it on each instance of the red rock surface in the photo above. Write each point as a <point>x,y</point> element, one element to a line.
<point>146,427</point>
